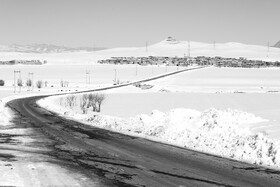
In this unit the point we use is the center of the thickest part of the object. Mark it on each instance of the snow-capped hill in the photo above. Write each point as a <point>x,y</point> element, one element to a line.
<point>277,44</point>
<point>44,48</point>
<point>170,40</point>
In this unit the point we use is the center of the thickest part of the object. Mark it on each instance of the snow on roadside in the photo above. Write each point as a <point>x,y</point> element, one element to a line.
<point>219,132</point>
<point>5,112</point>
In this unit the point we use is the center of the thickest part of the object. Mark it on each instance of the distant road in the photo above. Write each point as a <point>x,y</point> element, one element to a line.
<point>121,160</point>
<point>139,81</point>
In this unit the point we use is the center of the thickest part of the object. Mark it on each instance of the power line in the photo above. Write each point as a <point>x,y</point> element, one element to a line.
<point>189,49</point>
<point>115,76</point>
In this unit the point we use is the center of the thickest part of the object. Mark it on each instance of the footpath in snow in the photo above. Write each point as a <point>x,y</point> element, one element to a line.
<point>219,132</point>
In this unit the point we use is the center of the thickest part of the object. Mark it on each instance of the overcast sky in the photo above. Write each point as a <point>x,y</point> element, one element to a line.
<point>127,23</point>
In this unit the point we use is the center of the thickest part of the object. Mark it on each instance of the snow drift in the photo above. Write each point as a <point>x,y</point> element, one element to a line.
<point>220,132</point>
<point>5,113</point>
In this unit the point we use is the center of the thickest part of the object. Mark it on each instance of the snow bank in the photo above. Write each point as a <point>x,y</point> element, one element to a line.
<point>5,113</point>
<point>219,132</point>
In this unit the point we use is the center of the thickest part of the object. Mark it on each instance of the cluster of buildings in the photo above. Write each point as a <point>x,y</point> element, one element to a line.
<point>25,62</point>
<point>186,61</point>
<point>150,60</point>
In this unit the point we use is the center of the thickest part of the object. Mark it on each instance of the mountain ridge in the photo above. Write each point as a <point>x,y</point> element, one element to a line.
<point>45,48</point>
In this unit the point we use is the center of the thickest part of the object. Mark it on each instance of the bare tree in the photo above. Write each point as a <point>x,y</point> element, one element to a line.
<point>39,84</point>
<point>71,100</point>
<point>92,102</point>
<point>29,82</point>
<point>95,101</point>
<point>64,83</point>
<point>84,103</point>
<point>19,82</point>
<point>46,83</point>
<point>99,100</point>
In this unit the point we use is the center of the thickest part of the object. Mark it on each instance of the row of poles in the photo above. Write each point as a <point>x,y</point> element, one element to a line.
<point>17,77</point>
<point>88,72</point>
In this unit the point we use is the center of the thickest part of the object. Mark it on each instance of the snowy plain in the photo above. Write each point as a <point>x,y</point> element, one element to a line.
<point>163,48</point>
<point>230,112</point>
<point>226,121</point>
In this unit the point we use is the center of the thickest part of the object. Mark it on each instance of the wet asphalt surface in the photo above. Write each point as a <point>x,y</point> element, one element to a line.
<point>121,160</point>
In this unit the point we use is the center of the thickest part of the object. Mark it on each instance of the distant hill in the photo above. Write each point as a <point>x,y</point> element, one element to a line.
<point>277,44</point>
<point>44,48</point>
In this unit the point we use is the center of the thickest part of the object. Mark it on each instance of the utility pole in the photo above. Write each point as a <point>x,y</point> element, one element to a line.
<point>87,78</point>
<point>115,76</point>
<point>189,49</point>
<point>15,81</point>
<point>21,81</point>
<point>146,47</point>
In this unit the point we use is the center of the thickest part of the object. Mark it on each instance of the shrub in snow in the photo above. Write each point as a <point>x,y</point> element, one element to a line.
<point>95,101</point>
<point>84,103</point>
<point>2,82</point>
<point>39,84</point>
<point>64,83</point>
<point>19,82</point>
<point>28,82</point>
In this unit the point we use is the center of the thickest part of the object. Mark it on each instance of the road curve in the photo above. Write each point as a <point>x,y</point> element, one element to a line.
<point>121,160</point>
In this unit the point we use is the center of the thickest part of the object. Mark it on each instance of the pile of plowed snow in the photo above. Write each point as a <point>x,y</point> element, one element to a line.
<point>5,114</point>
<point>220,132</point>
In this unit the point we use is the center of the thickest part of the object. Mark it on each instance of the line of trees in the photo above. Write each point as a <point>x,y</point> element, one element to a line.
<point>91,101</point>
<point>29,83</point>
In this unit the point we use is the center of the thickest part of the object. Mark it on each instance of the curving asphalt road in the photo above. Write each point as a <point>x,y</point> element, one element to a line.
<point>121,160</point>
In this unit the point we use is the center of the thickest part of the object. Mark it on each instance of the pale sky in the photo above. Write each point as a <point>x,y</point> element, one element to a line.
<point>128,23</point>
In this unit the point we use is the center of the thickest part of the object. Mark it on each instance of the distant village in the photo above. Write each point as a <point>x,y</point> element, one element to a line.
<point>24,62</point>
<point>186,61</point>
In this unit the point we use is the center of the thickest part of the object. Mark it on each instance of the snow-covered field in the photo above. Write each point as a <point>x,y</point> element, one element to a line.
<point>230,112</point>
<point>76,74</point>
<point>224,80</point>
<point>231,121</point>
